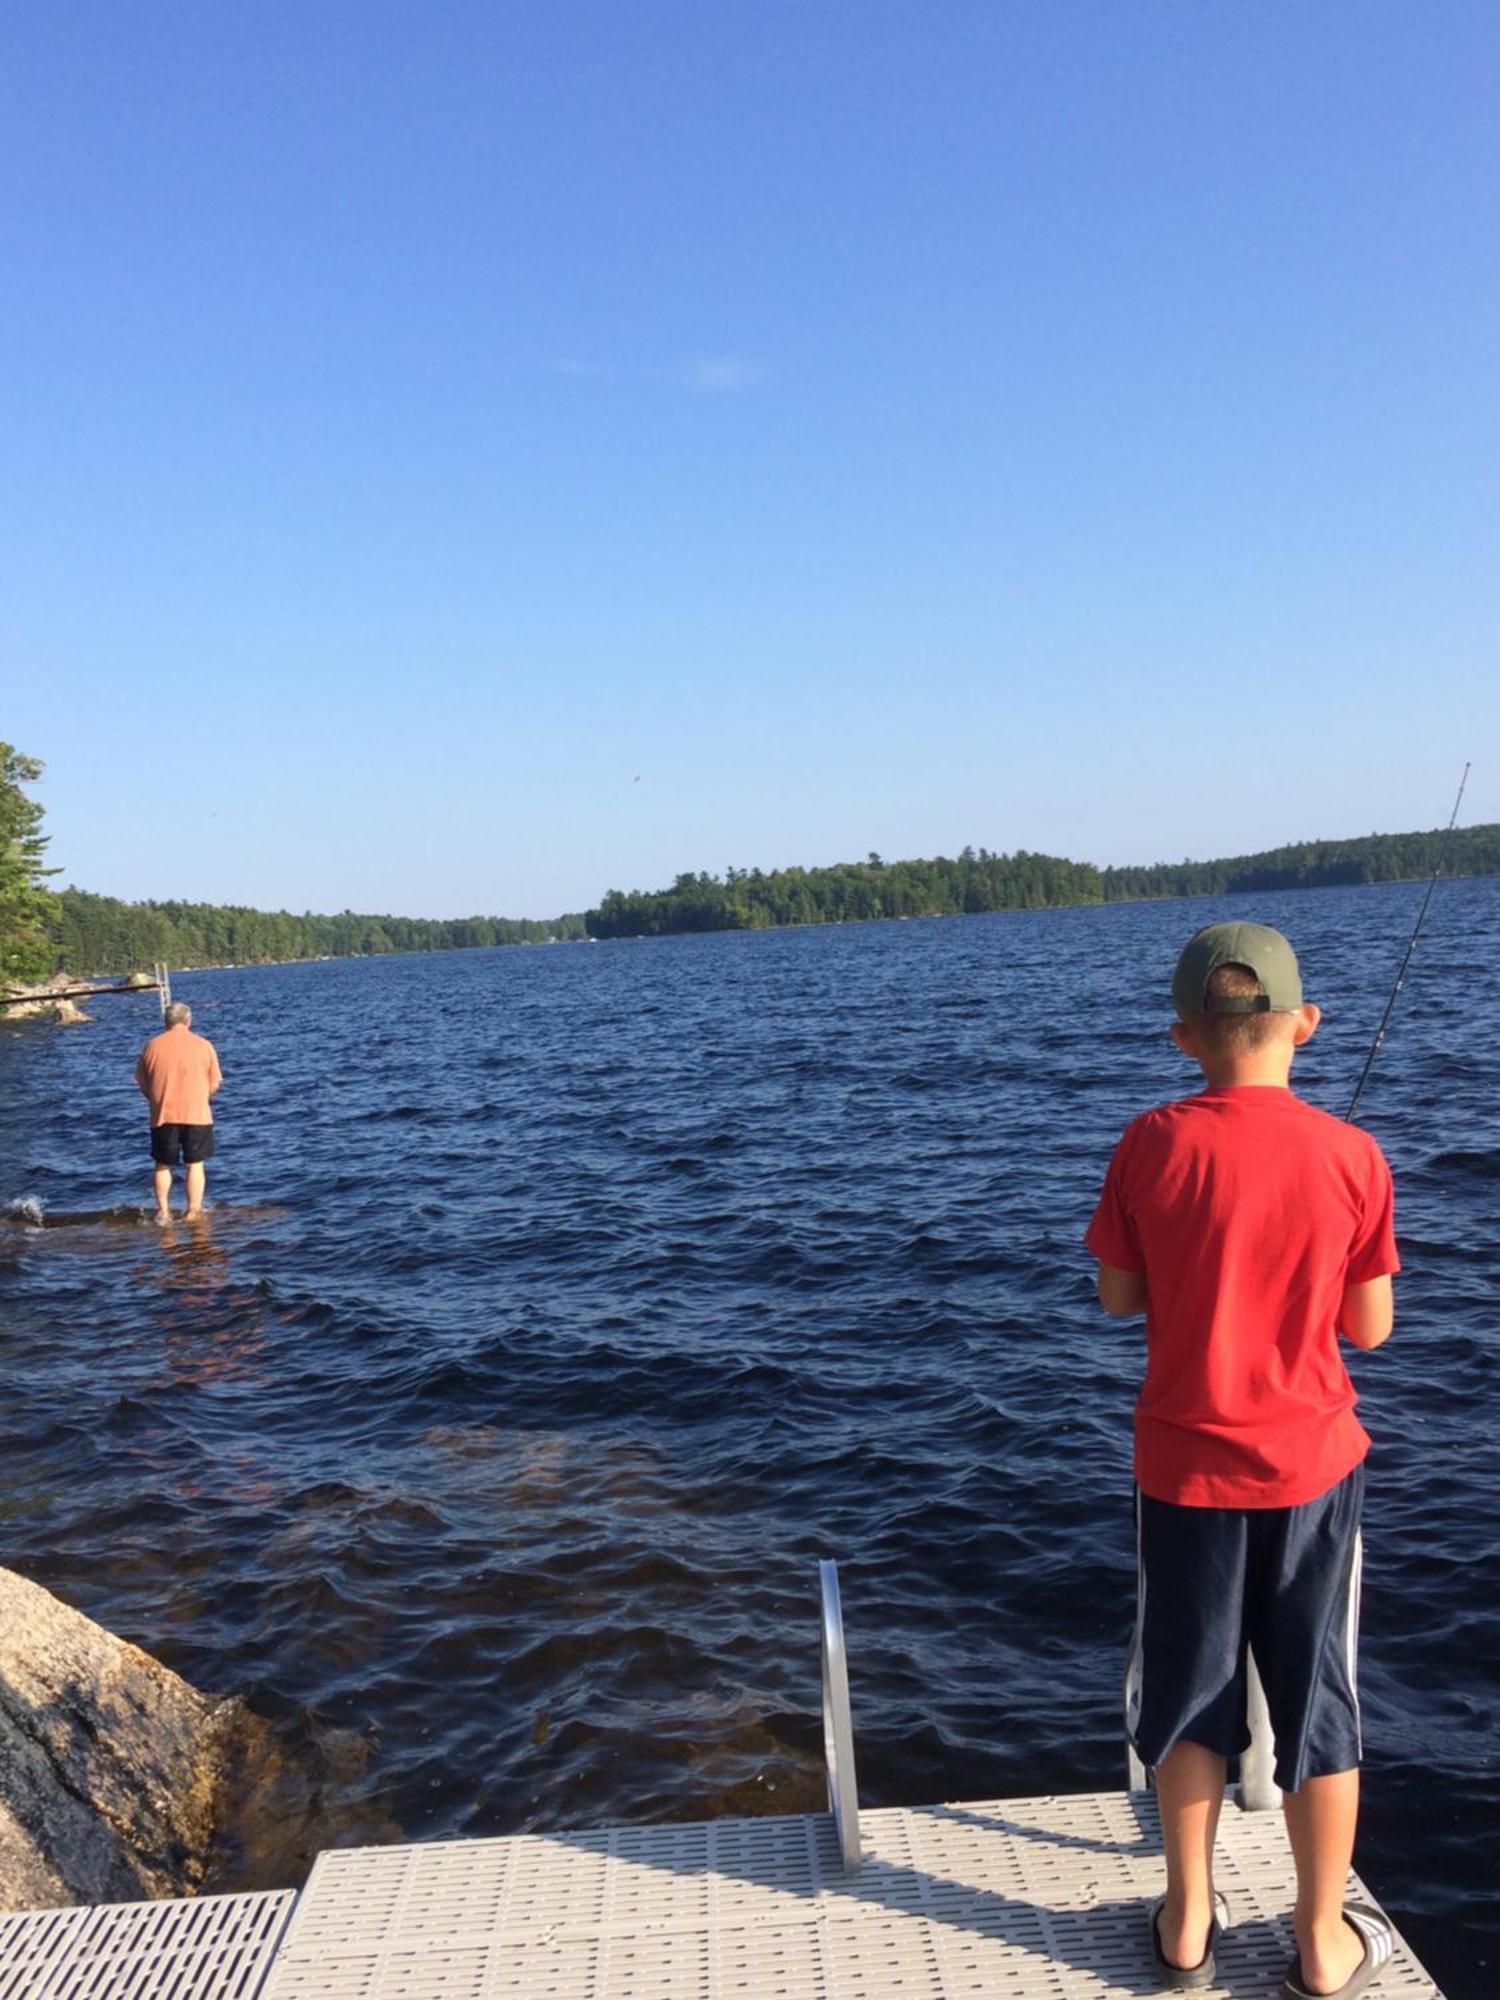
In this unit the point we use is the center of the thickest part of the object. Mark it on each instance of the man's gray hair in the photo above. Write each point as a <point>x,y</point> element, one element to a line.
<point>178,1014</point>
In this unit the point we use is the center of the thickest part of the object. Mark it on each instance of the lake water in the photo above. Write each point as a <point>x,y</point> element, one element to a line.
<point>563,1305</point>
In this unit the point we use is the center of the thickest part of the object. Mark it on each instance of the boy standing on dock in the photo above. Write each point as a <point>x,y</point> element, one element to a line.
<point>1252,1230</point>
<point>178,1073</point>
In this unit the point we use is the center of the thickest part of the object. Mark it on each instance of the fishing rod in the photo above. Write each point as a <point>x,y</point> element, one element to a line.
<point>1411,945</point>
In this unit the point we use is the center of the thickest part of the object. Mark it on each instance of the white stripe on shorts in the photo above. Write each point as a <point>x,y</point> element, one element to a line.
<point>1135,1662</point>
<point>1351,1634</point>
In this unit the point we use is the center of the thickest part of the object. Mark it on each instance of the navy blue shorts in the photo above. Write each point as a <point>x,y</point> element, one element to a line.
<point>1282,1581</point>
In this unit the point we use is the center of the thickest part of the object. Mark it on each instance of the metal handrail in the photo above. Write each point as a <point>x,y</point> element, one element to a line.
<point>838,1724</point>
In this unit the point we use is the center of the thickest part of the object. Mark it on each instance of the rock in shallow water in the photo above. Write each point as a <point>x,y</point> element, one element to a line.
<point>111,1766</point>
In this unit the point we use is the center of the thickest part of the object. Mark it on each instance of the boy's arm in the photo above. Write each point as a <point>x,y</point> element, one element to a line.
<point>1367,1308</point>
<point>1111,1235</point>
<point>1367,1312</point>
<point>1122,1293</point>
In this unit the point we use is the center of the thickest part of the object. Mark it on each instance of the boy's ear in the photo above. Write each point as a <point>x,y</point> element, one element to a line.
<point>1308,1017</point>
<point>1182,1036</point>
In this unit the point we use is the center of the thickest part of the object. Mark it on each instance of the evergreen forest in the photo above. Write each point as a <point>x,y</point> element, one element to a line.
<point>43,931</point>
<point>100,933</point>
<point>977,880</point>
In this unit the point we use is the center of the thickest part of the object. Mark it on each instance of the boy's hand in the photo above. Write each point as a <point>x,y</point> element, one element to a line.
<point>1122,1293</point>
<point>1367,1312</point>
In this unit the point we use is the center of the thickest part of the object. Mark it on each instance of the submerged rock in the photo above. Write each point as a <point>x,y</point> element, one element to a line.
<point>111,1766</point>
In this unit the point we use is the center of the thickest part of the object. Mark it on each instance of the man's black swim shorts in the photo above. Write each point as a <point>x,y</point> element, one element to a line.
<point>192,1144</point>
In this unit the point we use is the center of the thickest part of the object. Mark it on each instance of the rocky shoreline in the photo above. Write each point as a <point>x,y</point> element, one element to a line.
<point>118,1780</point>
<point>57,999</point>
<point>111,1767</point>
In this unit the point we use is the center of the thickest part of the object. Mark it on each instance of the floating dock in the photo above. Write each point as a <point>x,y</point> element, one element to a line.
<point>994,1899</point>
<point>1008,1899</point>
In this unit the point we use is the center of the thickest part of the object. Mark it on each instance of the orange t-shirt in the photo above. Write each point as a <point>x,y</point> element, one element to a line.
<point>179,1071</point>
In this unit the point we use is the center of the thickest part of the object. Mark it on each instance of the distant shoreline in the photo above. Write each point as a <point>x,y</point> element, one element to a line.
<point>977,882</point>
<point>376,957</point>
<point>846,923</point>
<point>94,931</point>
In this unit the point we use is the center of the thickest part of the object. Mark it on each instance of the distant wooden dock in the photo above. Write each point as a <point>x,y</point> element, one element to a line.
<point>30,999</point>
<point>994,1899</point>
<point>88,989</point>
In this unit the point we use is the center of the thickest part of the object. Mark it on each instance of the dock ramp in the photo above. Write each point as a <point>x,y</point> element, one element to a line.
<point>993,1899</point>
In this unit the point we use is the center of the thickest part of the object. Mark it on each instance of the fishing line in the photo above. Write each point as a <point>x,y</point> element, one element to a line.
<point>1411,945</point>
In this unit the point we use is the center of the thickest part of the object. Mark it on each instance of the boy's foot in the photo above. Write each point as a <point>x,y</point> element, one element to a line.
<point>1185,1978</point>
<point>1370,1945</point>
<point>162,1215</point>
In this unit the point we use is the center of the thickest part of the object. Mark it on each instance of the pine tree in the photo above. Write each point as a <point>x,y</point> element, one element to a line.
<point>27,908</point>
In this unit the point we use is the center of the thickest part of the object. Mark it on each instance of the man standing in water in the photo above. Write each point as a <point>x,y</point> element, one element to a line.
<point>178,1073</point>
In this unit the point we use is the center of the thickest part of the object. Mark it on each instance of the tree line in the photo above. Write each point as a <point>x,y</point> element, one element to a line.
<point>43,931</point>
<point>93,933</point>
<point>977,880</point>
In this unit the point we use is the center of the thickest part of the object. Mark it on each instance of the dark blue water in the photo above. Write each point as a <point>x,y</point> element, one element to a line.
<point>563,1305</point>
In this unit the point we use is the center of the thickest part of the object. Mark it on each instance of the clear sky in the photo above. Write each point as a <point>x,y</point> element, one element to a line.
<point>465,455</point>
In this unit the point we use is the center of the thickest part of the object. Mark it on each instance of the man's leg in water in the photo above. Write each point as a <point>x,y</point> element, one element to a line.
<point>161,1182</point>
<point>195,1178</point>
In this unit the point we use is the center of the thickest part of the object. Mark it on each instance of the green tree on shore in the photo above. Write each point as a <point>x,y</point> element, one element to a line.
<point>977,881</point>
<point>27,907</point>
<point>100,934</point>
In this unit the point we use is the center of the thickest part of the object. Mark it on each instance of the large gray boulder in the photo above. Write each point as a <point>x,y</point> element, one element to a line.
<point>111,1766</point>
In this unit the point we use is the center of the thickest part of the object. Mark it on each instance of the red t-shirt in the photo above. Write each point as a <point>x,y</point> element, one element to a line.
<point>1248,1211</point>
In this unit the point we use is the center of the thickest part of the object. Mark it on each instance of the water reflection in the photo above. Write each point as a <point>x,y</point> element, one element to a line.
<point>215,1327</point>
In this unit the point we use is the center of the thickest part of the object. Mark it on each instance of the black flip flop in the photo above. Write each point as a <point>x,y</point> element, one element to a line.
<point>1187,1978</point>
<point>1373,1932</point>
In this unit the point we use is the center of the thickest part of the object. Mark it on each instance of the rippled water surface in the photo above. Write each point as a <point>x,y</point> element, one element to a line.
<point>562,1305</point>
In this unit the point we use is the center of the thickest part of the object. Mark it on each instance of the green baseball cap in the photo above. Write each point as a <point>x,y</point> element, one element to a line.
<point>1259,949</point>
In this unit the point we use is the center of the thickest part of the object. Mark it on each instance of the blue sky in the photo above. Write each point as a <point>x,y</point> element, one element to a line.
<point>471,456</point>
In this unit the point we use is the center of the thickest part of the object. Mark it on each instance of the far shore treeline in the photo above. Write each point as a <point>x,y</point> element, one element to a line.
<point>976,881</point>
<point>43,931</point>
<point>92,933</point>
<point>96,933</point>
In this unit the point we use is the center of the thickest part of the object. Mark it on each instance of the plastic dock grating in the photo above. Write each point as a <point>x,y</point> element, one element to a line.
<point>1038,1899</point>
<point>209,1948</point>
